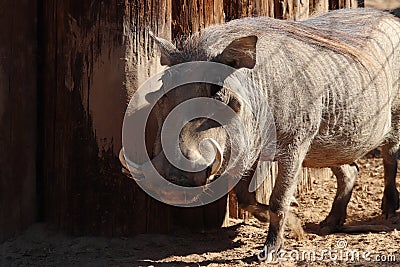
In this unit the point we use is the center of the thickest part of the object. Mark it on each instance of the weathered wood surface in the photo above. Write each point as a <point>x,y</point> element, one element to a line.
<point>248,8</point>
<point>336,4</point>
<point>18,59</point>
<point>97,53</point>
<point>190,16</point>
<point>318,7</point>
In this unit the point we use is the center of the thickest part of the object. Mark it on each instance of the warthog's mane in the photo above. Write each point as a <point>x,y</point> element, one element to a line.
<point>344,31</point>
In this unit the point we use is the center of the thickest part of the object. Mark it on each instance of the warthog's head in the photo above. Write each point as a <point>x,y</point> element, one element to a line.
<point>199,148</point>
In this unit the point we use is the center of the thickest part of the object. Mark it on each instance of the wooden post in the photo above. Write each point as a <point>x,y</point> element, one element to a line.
<point>318,7</point>
<point>337,4</point>
<point>235,9</point>
<point>96,55</point>
<point>190,16</point>
<point>18,117</point>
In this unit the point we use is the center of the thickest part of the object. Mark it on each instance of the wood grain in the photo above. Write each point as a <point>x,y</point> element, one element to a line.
<point>18,116</point>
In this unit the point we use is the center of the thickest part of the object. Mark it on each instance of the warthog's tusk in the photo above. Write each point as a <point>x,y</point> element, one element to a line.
<point>217,163</point>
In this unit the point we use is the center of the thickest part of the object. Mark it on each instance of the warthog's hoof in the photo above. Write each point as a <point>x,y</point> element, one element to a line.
<point>390,203</point>
<point>330,225</point>
<point>328,229</point>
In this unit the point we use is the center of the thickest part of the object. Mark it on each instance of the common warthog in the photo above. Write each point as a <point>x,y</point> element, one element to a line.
<point>332,84</point>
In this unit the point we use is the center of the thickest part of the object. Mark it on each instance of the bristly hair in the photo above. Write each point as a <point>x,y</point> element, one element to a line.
<point>342,31</point>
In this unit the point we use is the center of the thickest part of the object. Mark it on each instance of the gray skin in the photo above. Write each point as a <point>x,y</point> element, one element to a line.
<point>332,83</point>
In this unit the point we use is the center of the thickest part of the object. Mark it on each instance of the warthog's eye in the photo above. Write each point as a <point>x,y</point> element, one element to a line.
<point>234,103</point>
<point>225,96</point>
<point>222,96</point>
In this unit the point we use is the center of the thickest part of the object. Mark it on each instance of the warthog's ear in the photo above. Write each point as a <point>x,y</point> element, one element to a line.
<point>169,52</point>
<point>241,53</point>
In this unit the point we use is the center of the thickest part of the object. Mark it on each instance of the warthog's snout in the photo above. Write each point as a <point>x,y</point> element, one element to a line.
<point>196,167</point>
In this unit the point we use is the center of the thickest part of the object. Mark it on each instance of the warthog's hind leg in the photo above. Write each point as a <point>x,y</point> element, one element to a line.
<point>345,176</point>
<point>390,200</point>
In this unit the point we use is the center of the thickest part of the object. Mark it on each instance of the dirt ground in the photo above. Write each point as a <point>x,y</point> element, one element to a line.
<point>234,245</point>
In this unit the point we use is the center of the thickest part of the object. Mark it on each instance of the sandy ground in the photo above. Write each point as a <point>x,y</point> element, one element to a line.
<point>234,245</point>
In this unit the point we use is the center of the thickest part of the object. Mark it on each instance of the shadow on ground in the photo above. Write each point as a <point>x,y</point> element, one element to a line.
<point>45,247</point>
<point>369,225</point>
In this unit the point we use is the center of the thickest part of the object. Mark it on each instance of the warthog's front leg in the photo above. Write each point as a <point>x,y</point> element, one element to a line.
<point>345,176</point>
<point>289,167</point>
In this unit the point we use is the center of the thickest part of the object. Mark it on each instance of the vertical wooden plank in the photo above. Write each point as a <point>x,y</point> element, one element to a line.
<point>303,10</point>
<point>292,9</point>
<point>142,62</point>
<point>18,116</point>
<point>96,55</point>
<point>233,206</point>
<point>334,4</point>
<point>271,8</point>
<point>226,222</point>
<point>318,7</point>
<point>281,9</point>
<point>337,4</point>
<point>190,16</point>
<point>235,9</point>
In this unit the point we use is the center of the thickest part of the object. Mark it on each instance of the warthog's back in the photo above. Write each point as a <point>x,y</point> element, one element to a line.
<point>334,77</point>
